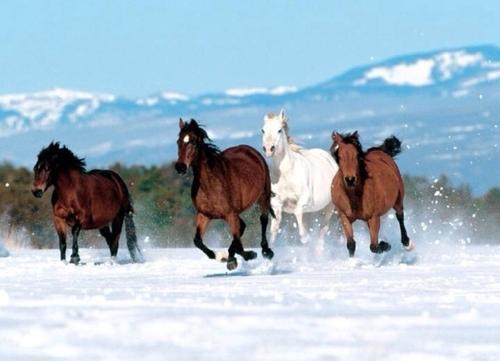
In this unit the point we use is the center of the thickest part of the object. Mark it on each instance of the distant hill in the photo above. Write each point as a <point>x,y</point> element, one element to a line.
<point>444,105</point>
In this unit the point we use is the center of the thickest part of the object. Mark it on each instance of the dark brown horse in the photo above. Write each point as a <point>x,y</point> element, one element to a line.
<point>367,185</point>
<point>96,199</point>
<point>225,184</point>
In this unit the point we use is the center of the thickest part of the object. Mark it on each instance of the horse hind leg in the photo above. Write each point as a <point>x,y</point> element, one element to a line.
<point>374,228</point>
<point>75,231</point>
<point>247,255</point>
<point>405,240</point>
<point>114,236</point>
<point>265,209</point>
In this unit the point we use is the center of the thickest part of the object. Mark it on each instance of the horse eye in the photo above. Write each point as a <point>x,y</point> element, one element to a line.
<point>279,131</point>
<point>262,130</point>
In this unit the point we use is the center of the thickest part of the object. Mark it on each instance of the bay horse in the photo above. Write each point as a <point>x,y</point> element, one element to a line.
<point>367,186</point>
<point>225,184</point>
<point>81,199</point>
<point>301,178</point>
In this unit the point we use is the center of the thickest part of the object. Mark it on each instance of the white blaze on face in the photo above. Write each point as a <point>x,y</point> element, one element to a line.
<point>186,139</point>
<point>271,133</point>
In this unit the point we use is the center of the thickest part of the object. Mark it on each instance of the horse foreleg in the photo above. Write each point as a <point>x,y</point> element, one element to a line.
<point>267,252</point>
<point>300,224</point>
<point>275,222</point>
<point>374,228</point>
<point>60,225</point>
<point>201,226</point>
<point>75,231</point>
<point>349,234</point>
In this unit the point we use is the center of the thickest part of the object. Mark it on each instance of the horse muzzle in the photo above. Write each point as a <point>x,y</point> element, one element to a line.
<point>37,192</point>
<point>269,151</point>
<point>181,168</point>
<point>350,181</point>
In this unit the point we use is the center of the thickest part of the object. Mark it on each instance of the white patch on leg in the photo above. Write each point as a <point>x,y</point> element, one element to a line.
<point>221,256</point>
<point>410,247</point>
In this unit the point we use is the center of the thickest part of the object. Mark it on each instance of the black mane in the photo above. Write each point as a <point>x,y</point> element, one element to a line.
<point>353,138</point>
<point>58,157</point>
<point>203,140</point>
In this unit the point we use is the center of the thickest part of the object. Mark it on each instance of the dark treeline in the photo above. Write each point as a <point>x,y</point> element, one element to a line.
<point>164,213</point>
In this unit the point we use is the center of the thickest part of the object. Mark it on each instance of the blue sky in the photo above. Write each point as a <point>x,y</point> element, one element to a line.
<point>136,48</point>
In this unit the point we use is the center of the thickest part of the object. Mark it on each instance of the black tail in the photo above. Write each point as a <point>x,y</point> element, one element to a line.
<point>391,146</point>
<point>133,247</point>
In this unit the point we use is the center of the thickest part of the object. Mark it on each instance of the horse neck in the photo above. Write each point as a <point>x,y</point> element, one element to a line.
<point>285,156</point>
<point>202,170</point>
<point>66,178</point>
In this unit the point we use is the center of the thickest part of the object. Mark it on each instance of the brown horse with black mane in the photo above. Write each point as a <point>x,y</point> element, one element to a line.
<point>85,200</point>
<point>367,185</point>
<point>225,184</point>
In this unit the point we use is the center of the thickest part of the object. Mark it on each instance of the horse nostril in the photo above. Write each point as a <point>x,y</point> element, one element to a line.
<point>264,148</point>
<point>273,148</point>
<point>37,193</point>
<point>350,181</point>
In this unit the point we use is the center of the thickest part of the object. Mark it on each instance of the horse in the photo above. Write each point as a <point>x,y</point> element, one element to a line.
<point>301,178</point>
<point>366,187</point>
<point>225,184</point>
<point>84,199</point>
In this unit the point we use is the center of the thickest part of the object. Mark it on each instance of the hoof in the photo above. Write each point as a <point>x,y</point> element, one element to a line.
<point>381,247</point>
<point>351,247</point>
<point>221,256</point>
<point>249,255</point>
<point>410,246</point>
<point>232,263</point>
<point>268,253</point>
<point>75,260</point>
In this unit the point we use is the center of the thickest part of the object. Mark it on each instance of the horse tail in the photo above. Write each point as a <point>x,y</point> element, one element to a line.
<point>130,231</point>
<point>391,146</point>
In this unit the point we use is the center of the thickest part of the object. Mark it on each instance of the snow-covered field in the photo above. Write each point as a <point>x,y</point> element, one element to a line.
<point>438,303</point>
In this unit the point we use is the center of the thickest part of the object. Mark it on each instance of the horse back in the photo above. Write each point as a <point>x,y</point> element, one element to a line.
<point>384,180</point>
<point>247,175</point>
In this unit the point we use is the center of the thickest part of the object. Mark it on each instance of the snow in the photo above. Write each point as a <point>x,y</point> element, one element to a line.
<point>420,71</point>
<point>44,108</point>
<point>169,95</point>
<point>440,303</point>
<point>279,90</point>
<point>416,74</point>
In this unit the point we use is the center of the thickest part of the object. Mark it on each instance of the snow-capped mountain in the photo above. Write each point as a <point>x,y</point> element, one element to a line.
<point>445,105</point>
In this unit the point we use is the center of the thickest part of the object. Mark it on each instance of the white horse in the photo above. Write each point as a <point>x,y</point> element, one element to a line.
<point>301,178</point>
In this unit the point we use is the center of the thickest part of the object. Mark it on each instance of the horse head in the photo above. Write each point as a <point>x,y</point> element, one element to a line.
<point>50,161</point>
<point>274,133</point>
<point>348,153</point>
<point>192,138</point>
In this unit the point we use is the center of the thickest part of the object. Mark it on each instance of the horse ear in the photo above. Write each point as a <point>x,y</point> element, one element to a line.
<point>193,122</point>
<point>336,137</point>
<point>355,134</point>
<point>181,123</point>
<point>283,115</point>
